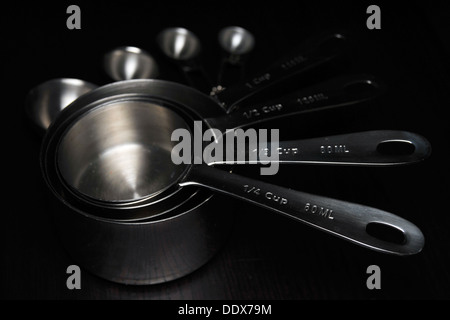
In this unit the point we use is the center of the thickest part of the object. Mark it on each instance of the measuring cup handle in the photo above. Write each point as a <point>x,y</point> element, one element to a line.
<point>311,54</point>
<point>352,222</point>
<point>368,148</point>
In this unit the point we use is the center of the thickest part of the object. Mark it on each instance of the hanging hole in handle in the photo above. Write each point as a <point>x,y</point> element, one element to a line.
<point>396,147</point>
<point>386,232</point>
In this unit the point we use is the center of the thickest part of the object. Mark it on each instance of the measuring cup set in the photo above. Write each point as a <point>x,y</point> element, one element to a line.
<point>128,214</point>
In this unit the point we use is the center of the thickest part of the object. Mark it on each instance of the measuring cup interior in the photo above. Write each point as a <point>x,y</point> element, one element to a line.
<point>121,151</point>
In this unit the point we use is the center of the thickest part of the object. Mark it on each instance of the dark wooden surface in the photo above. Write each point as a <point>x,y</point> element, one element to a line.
<point>266,256</point>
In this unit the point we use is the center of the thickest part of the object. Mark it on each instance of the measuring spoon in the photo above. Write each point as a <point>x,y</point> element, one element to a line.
<point>126,63</point>
<point>183,48</point>
<point>237,43</point>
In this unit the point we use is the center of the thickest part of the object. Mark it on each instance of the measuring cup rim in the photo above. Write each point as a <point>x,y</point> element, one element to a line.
<point>162,91</point>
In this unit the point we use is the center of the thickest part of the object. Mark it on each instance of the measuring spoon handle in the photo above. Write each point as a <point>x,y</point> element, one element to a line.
<point>311,54</point>
<point>336,92</point>
<point>197,77</point>
<point>352,222</point>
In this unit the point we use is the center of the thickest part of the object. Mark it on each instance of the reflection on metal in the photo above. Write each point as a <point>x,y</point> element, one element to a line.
<point>126,63</point>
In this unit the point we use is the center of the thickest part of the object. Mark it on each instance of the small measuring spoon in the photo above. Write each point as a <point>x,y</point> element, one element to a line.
<point>183,48</point>
<point>237,43</point>
<point>126,63</point>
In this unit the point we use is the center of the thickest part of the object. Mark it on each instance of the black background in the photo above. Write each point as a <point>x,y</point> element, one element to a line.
<point>266,256</point>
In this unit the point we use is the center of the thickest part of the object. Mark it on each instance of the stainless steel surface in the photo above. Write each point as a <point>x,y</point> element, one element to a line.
<point>187,99</point>
<point>133,252</point>
<point>179,43</point>
<point>314,52</point>
<point>128,158</point>
<point>120,151</point>
<point>343,219</point>
<point>337,92</point>
<point>368,148</point>
<point>126,63</point>
<point>168,239</point>
<point>236,40</point>
<point>145,252</point>
<point>45,102</point>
